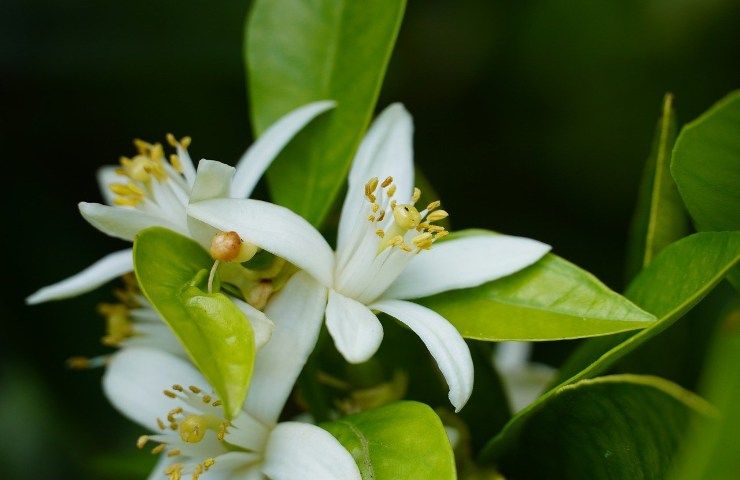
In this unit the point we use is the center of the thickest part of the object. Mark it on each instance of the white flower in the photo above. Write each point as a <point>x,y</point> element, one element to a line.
<point>523,380</point>
<point>165,394</point>
<point>147,190</point>
<point>383,255</point>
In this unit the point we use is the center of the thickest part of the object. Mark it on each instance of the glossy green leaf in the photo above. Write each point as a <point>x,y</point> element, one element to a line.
<point>550,300</point>
<point>706,166</point>
<point>171,270</point>
<point>712,451</point>
<point>403,440</point>
<point>681,275</point>
<point>301,51</point>
<point>660,218</point>
<point>620,426</point>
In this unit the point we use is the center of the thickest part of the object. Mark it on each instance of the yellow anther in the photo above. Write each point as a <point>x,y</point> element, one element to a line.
<point>158,449</point>
<point>141,145</point>
<point>416,195</point>
<point>386,182</point>
<point>229,247</point>
<point>173,453</point>
<point>157,152</point>
<point>423,238</point>
<point>194,389</point>
<point>433,206</point>
<point>119,188</point>
<point>118,324</point>
<point>381,216</point>
<point>169,394</point>
<point>171,140</point>
<point>208,463</point>
<point>371,186</point>
<point>441,234</point>
<point>185,142</point>
<point>435,228</point>
<point>177,387</point>
<point>206,399</point>
<point>142,441</point>
<point>193,428</point>
<point>406,216</point>
<point>392,190</point>
<point>375,207</point>
<point>379,232</point>
<point>173,426</point>
<point>171,414</point>
<point>393,204</point>
<point>176,163</point>
<point>437,215</point>
<point>405,247</point>
<point>397,240</point>
<point>78,363</point>
<point>370,218</point>
<point>197,471</point>
<point>174,471</point>
<point>222,431</point>
<point>161,424</point>
<point>217,403</point>
<point>126,201</point>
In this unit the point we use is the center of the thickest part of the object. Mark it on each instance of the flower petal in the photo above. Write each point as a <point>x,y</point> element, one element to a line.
<point>104,270</point>
<point>121,222</point>
<point>297,311</point>
<point>273,228</point>
<point>356,330</point>
<point>136,377</point>
<point>213,180</point>
<point>443,341</point>
<point>300,450</point>
<point>261,325</point>
<point>105,176</point>
<point>260,155</point>
<point>386,150</point>
<point>465,262</point>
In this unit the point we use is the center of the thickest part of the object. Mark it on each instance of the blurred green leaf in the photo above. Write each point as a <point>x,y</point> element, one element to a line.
<point>214,332</point>
<point>403,440</point>
<point>619,426</point>
<point>712,451</point>
<point>660,218</point>
<point>706,166</point>
<point>681,275</point>
<point>550,300</point>
<point>298,52</point>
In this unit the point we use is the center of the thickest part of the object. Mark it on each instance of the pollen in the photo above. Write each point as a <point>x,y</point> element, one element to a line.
<point>405,218</point>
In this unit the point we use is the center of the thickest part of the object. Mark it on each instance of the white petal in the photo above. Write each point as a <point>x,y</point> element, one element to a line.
<point>512,355</point>
<point>260,155</point>
<point>443,341</point>
<point>107,175</point>
<point>523,385</point>
<point>386,150</point>
<point>213,180</point>
<point>261,325</point>
<point>104,270</point>
<point>136,377</point>
<point>162,464</point>
<point>303,451</point>
<point>356,330</point>
<point>297,311</point>
<point>273,228</point>
<point>465,262</point>
<point>121,222</point>
<point>188,169</point>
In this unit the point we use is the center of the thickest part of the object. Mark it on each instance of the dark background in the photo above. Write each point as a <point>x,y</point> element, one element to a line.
<point>532,118</point>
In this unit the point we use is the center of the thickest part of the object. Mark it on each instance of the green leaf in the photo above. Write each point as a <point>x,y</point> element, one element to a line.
<point>706,166</point>
<point>550,300</point>
<point>403,440</point>
<point>298,52</point>
<point>214,332</point>
<point>620,426</point>
<point>660,218</point>
<point>711,452</point>
<point>679,277</point>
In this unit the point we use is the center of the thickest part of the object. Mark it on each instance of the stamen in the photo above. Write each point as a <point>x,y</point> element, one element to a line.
<point>161,424</point>
<point>208,463</point>
<point>386,182</point>
<point>169,394</point>
<point>158,449</point>
<point>437,215</point>
<point>392,190</point>
<point>370,188</point>
<point>142,441</point>
<point>433,206</point>
<point>416,195</point>
<point>174,471</point>
<point>194,389</point>
<point>173,453</point>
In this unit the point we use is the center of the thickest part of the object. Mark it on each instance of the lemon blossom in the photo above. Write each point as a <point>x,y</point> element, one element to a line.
<point>522,379</point>
<point>386,252</point>
<point>148,190</point>
<point>168,396</point>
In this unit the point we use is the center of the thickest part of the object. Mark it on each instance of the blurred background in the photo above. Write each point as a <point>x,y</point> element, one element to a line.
<point>532,118</point>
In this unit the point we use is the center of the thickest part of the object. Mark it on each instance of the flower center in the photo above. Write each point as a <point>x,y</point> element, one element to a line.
<point>148,163</point>
<point>405,217</point>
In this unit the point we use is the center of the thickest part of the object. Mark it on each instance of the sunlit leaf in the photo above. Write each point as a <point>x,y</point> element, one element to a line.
<point>298,52</point>
<point>171,270</point>
<point>550,300</point>
<point>403,440</point>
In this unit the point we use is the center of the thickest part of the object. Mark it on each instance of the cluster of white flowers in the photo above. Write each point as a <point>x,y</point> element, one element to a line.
<point>387,255</point>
